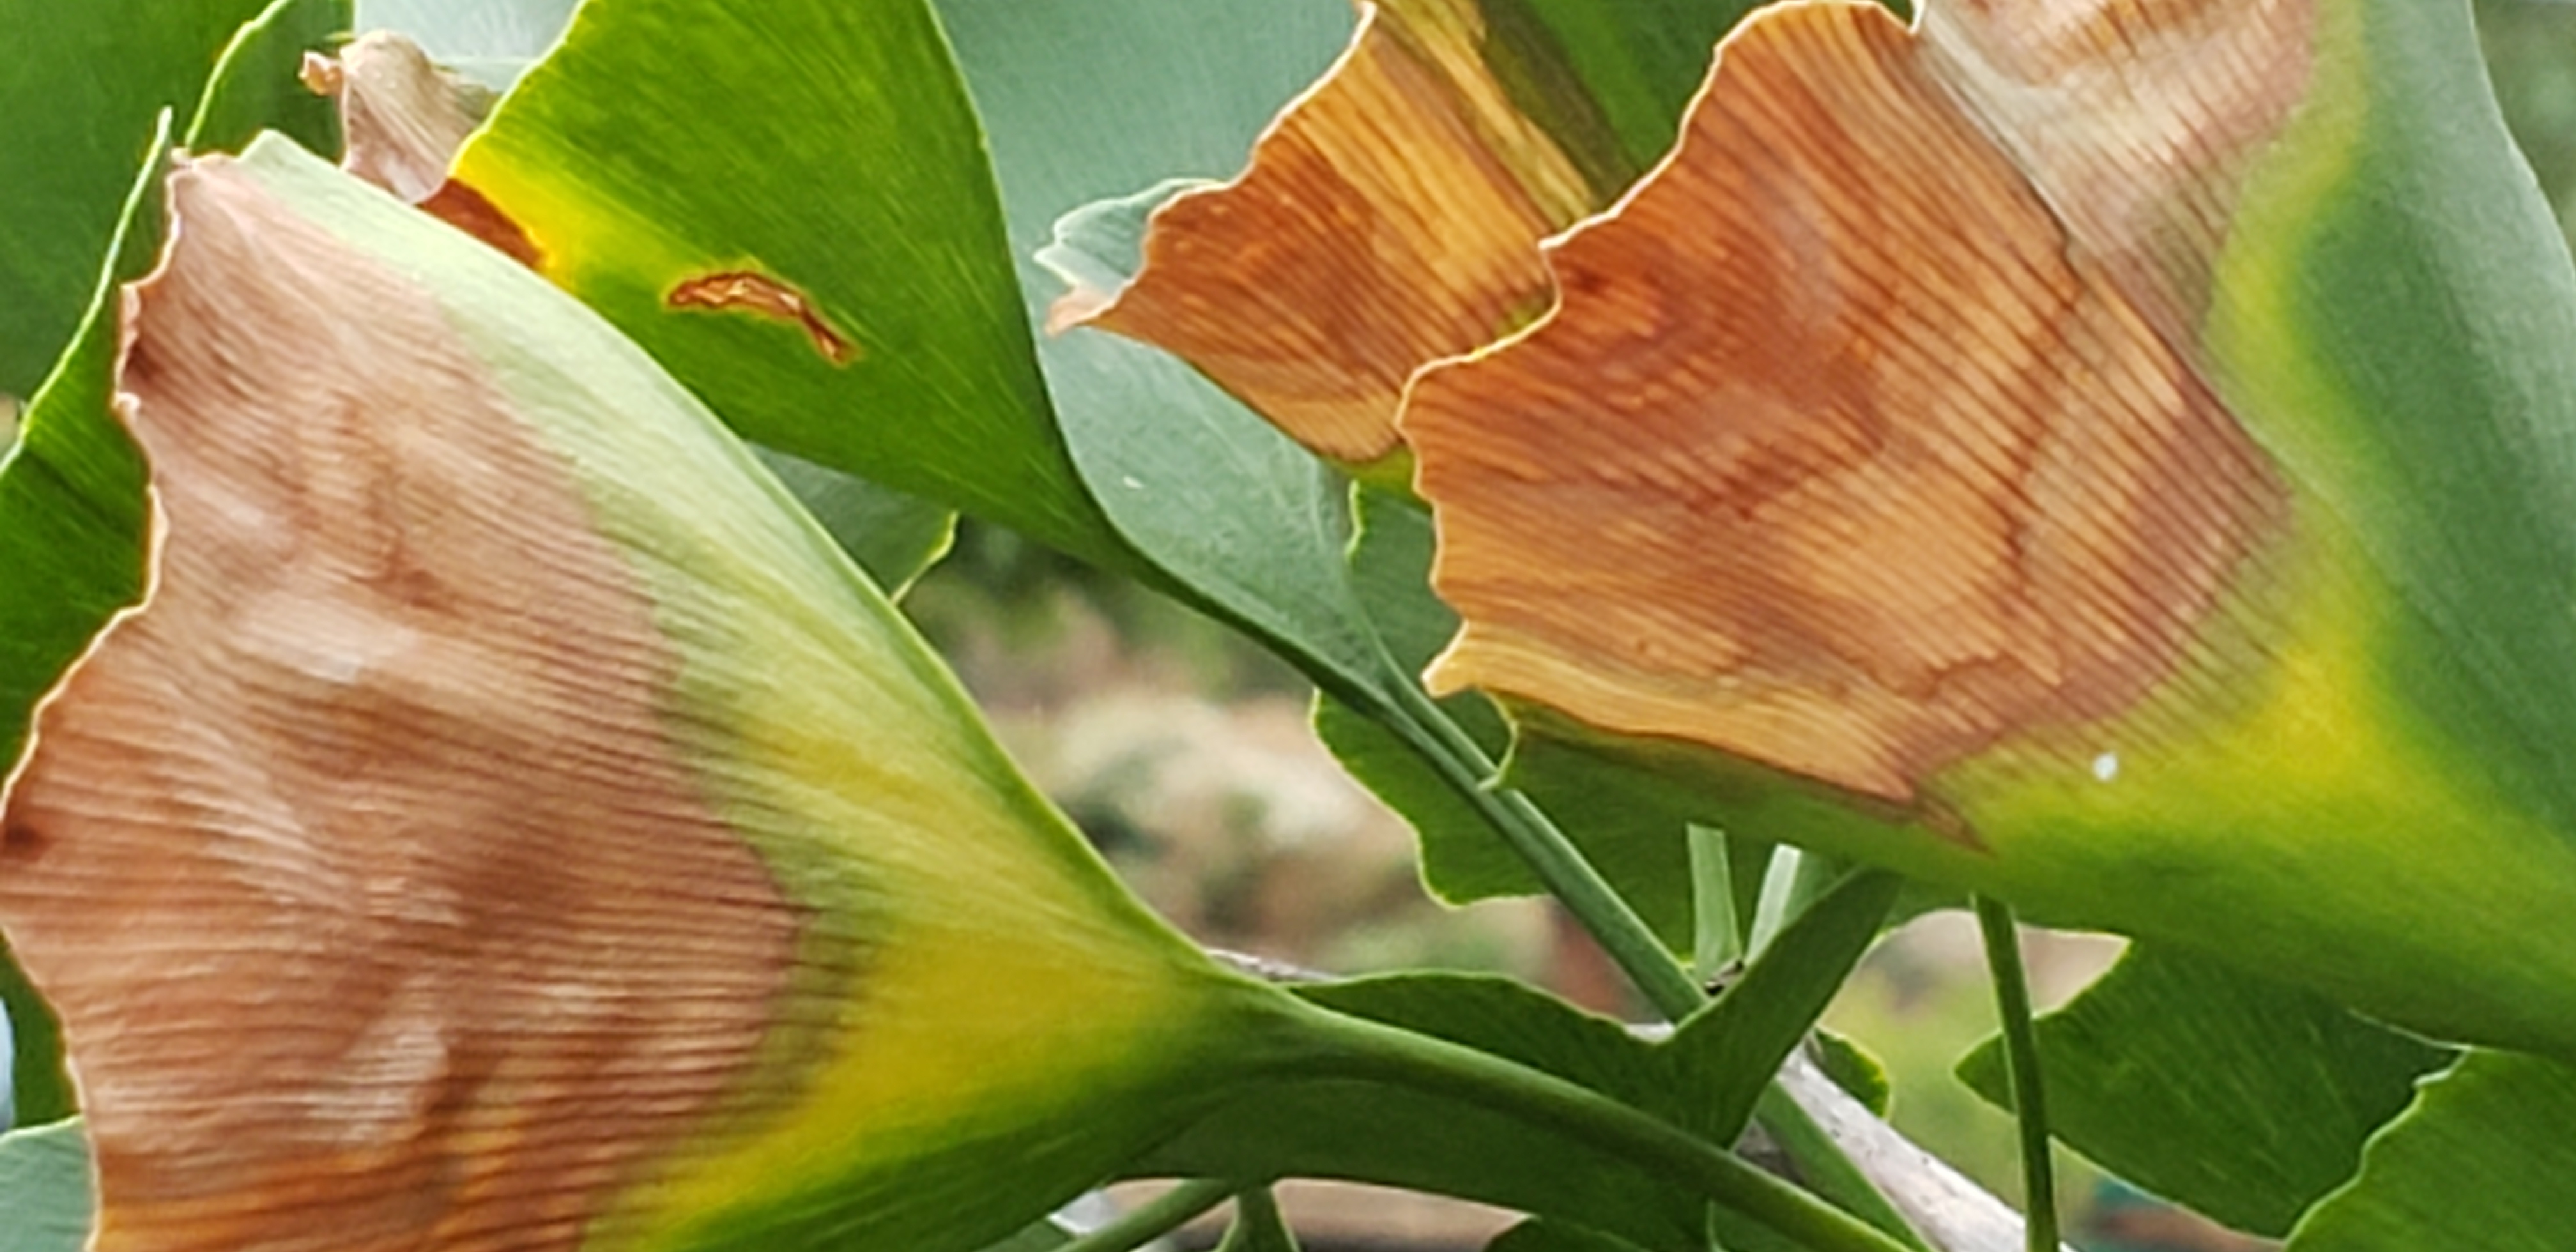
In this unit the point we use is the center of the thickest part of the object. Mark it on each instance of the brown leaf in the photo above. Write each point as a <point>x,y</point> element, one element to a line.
<point>378,910</point>
<point>403,115</point>
<point>405,118</point>
<point>1864,433</point>
<point>1390,219</point>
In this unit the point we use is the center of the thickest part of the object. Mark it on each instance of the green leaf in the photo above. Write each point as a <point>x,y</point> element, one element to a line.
<point>2480,1160</point>
<point>1725,1056</point>
<point>2237,1096</point>
<point>85,81</point>
<point>827,148</point>
<point>45,1187</point>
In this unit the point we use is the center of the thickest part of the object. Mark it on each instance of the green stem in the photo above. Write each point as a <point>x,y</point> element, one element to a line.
<point>1717,934</point>
<point>1596,906</point>
<point>1338,1046</point>
<point>2021,1068</point>
<point>1259,1226</point>
<point>1155,1218</point>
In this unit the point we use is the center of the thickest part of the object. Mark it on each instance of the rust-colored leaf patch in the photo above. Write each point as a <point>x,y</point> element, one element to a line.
<point>378,909</point>
<point>468,210</point>
<point>1846,450</point>
<point>1389,219</point>
<point>755,293</point>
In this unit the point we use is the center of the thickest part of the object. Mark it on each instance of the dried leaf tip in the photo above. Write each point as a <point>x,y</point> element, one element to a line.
<point>1388,219</point>
<point>405,115</point>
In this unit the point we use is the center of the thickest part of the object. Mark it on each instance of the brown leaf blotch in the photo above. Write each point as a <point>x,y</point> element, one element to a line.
<point>748,291</point>
<point>379,910</point>
<point>1838,453</point>
<point>461,206</point>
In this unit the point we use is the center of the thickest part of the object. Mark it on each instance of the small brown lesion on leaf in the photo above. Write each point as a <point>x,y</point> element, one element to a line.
<point>749,291</point>
<point>459,205</point>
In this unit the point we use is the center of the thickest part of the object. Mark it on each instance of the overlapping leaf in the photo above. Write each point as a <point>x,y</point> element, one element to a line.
<point>2242,1098</point>
<point>2480,1159</point>
<point>2030,452</point>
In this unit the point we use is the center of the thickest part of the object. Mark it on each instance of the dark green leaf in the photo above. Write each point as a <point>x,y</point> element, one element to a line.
<point>2240,1097</point>
<point>1397,1137</point>
<point>1542,1235</point>
<point>257,85</point>
<point>1704,1079</point>
<point>1632,67</point>
<point>1258,1225</point>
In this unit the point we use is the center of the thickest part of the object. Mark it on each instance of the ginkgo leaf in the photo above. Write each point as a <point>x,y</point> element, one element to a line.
<point>2110,454</point>
<point>1391,217</point>
<point>1411,141</point>
<point>1889,469</point>
<point>508,820</point>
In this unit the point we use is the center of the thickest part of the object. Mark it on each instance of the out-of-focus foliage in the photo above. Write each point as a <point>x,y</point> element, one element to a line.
<point>2531,50</point>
